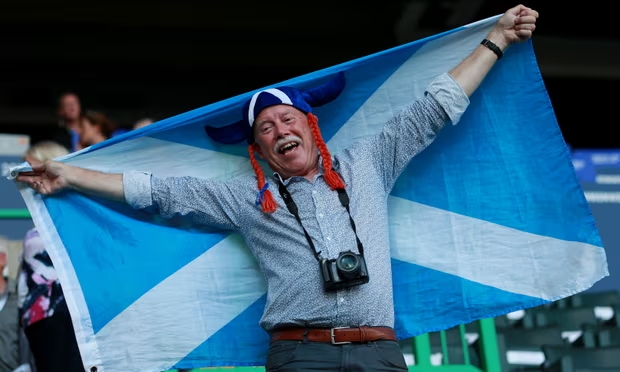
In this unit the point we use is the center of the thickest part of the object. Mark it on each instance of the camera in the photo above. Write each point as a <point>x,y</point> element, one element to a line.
<point>348,270</point>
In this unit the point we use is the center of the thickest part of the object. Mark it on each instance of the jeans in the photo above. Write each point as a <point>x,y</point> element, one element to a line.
<point>299,356</point>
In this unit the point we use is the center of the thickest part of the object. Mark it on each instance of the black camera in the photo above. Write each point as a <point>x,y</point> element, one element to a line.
<point>348,270</point>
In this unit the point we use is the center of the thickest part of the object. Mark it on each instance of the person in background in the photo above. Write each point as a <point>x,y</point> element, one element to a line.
<point>143,123</point>
<point>69,114</point>
<point>95,127</point>
<point>14,351</point>
<point>43,311</point>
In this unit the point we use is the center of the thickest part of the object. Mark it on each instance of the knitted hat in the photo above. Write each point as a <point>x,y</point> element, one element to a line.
<point>301,100</point>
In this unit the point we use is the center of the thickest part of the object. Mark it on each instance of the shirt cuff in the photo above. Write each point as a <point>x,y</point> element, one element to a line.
<point>137,188</point>
<point>450,96</point>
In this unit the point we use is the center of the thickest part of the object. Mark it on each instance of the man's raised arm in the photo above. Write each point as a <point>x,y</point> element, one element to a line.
<point>516,25</point>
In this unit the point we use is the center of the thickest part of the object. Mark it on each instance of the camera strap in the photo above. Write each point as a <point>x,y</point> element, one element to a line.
<point>292,207</point>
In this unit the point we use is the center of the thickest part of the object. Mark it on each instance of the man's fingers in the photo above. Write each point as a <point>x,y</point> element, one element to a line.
<point>41,189</point>
<point>522,10</point>
<point>517,9</point>
<point>524,34</point>
<point>528,19</point>
<point>532,13</point>
<point>529,27</point>
<point>38,167</point>
<point>28,174</point>
<point>28,180</point>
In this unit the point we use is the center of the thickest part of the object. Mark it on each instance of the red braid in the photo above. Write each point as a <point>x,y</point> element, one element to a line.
<point>268,203</point>
<point>331,177</point>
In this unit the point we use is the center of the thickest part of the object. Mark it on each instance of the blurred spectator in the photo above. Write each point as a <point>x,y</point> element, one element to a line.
<point>69,113</point>
<point>14,350</point>
<point>95,127</point>
<point>143,123</point>
<point>43,310</point>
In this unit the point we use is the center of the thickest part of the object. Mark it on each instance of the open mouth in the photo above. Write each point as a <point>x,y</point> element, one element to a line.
<point>288,147</point>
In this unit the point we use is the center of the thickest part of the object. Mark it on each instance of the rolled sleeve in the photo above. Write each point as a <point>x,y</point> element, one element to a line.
<point>450,96</point>
<point>137,188</point>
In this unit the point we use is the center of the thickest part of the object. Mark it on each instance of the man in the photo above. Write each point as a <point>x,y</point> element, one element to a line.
<point>69,115</point>
<point>14,350</point>
<point>318,226</point>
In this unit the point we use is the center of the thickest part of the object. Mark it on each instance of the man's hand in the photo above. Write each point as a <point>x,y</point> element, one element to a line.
<point>516,25</point>
<point>46,178</point>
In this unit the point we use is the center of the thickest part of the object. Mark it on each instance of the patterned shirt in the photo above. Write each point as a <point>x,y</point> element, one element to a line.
<point>370,167</point>
<point>39,288</point>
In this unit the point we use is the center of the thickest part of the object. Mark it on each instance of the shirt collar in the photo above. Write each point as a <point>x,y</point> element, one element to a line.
<point>285,182</point>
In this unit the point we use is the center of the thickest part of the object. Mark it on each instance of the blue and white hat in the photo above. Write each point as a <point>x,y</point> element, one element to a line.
<point>303,101</point>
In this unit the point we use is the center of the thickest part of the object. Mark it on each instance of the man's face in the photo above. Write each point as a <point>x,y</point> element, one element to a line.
<point>284,139</point>
<point>69,108</point>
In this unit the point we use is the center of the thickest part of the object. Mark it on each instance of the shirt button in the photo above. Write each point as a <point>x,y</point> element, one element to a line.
<point>341,300</point>
<point>329,238</point>
<point>313,192</point>
<point>320,215</point>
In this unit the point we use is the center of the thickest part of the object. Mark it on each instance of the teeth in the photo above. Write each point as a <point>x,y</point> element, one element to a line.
<point>288,146</point>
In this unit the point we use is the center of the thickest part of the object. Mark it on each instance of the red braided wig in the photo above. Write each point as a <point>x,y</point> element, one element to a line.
<point>331,176</point>
<point>268,203</point>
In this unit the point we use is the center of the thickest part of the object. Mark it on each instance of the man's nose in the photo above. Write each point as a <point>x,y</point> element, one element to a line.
<point>282,130</point>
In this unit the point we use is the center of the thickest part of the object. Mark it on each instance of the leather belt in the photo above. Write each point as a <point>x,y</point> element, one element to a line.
<point>335,336</point>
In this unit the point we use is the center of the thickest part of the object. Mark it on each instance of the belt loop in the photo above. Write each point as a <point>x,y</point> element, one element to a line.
<point>305,338</point>
<point>363,334</point>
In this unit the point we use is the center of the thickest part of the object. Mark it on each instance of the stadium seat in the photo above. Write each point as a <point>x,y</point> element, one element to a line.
<point>573,358</point>
<point>587,299</point>
<point>569,319</point>
<point>609,337</point>
<point>522,347</point>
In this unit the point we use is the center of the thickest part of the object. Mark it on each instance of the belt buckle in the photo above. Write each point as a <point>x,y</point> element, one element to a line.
<point>333,336</point>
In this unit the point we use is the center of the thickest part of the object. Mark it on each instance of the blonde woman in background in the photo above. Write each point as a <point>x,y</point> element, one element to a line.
<point>43,311</point>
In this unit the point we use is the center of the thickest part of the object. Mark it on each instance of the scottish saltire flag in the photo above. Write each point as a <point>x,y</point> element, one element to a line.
<point>487,220</point>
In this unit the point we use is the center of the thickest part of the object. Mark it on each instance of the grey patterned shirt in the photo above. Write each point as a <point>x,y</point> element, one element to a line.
<point>370,167</point>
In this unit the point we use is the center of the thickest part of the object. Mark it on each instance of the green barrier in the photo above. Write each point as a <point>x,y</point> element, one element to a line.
<point>489,352</point>
<point>14,214</point>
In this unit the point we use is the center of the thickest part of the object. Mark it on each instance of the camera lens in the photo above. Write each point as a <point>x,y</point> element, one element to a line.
<point>348,265</point>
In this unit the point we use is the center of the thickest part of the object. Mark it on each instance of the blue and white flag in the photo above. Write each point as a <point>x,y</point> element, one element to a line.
<point>489,219</point>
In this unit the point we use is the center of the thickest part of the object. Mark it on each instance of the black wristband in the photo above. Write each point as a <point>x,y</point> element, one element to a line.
<point>494,48</point>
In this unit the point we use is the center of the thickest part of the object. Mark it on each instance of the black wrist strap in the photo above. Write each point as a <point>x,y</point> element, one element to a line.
<point>292,207</point>
<point>494,48</point>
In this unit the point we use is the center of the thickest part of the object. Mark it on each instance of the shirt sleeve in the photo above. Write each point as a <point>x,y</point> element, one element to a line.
<point>414,128</point>
<point>191,200</point>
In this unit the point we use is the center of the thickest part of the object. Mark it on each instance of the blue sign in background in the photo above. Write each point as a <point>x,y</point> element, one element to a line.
<point>12,149</point>
<point>599,173</point>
